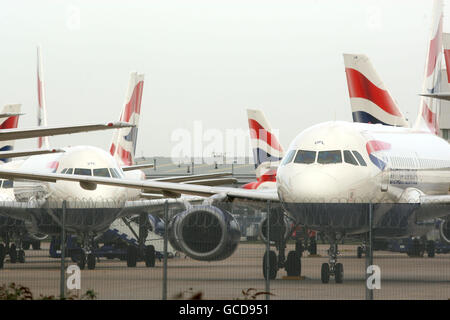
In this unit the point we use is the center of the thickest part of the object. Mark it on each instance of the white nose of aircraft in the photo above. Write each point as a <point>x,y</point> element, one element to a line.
<point>308,186</point>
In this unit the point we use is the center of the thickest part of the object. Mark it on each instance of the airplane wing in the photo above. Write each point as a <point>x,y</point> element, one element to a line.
<point>168,189</point>
<point>137,167</point>
<point>15,134</point>
<point>441,96</point>
<point>193,177</point>
<point>10,114</point>
<point>27,153</point>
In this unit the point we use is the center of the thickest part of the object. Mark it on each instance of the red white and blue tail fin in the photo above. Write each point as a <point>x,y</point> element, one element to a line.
<point>9,123</point>
<point>43,142</point>
<point>267,151</point>
<point>371,102</point>
<point>123,145</point>
<point>427,119</point>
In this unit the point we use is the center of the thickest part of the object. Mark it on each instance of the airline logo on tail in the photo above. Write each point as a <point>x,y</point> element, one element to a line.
<point>123,146</point>
<point>371,102</point>
<point>9,123</point>
<point>267,151</point>
<point>427,117</point>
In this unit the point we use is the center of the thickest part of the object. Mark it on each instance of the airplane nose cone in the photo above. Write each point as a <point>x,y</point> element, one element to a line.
<point>311,186</point>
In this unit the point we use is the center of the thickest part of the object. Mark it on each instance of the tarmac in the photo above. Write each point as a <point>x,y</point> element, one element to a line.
<point>240,277</point>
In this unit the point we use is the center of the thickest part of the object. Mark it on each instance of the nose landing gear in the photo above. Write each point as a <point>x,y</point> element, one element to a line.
<point>332,268</point>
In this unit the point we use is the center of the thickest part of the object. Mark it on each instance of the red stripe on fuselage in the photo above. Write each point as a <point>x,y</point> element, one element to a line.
<point>270,176</point>
<point>447,63</point>
<point>258,132</point>
<point>361,87</point>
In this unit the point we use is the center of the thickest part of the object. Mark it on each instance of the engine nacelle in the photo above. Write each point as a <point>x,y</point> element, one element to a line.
<point>444,231</point>
<point>279,227</point>
<point>205,233</point>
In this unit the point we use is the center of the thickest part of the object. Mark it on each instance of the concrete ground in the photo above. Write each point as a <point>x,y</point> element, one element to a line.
<point>402,277</point>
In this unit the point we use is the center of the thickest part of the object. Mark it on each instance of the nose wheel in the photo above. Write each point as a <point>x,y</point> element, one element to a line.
<point>332,268</point>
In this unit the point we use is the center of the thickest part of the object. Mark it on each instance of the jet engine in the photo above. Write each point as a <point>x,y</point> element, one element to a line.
<point>444,231</point>
<point>279,227</point>
<point>205,233</point>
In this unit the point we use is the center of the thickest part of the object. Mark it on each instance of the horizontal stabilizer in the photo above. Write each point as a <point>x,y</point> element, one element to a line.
<point>27,153</point>
<point>440,96</point>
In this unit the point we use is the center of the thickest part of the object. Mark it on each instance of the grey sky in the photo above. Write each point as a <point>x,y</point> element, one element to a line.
<point>205,60</point>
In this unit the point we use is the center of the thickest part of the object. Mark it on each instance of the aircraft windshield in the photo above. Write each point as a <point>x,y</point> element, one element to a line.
<point>7,184</point>
<point>83,171</point>
<point>304,156</point>
<point>348,158</point>
<point>360,158</point>
<point>102,172</point>
<point>114,173</point>
<point>326,157</point>
<point>288,158</point>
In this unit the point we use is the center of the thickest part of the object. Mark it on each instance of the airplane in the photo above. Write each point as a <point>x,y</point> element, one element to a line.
<point>330,177</point>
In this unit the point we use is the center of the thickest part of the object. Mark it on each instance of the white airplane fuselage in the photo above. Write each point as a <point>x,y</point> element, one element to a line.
<point>89,160</point>
<point>324,191</point>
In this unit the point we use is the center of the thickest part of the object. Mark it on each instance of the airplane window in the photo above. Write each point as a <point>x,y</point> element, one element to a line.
<point>114,173</point>
<point>7,184</point>
<point>103,172</point>
<point>326,157</point>
<point>64,171</point>
<point>69,171</point>
<point>83,171</point>
<point>304,156</point>
<point>348,158</point>
<point>359,158</point>
<point>288,158</point>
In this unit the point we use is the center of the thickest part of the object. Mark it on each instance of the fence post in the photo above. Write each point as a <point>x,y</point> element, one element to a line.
<point>369,252</point>
<point>63,251</point>
<point>166,234</point>
<point>268,252</point>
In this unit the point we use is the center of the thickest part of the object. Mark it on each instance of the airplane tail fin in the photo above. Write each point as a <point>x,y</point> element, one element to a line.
<point>9,123</point>
<point>267,151</point>
<point>371,102</point>
<point>43,142</point>
<point>123,145</point>
<point>427,119</point>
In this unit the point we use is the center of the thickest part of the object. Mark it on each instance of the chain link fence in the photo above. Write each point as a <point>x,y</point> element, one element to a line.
<point>191,249</point>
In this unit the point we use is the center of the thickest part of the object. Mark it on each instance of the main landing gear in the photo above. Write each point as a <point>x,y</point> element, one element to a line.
<point>333,268</point>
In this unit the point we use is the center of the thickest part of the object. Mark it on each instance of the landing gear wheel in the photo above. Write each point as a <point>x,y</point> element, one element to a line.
<point>313,246</point>
<point>325,273</point>
<point>431,249</point>
<point>13,253</point>
<point>91,261</point>
<point>293,264</point>
<point>36,245</point>
<point>131,256</point>
<point>339,273</point>
<point>21,256</point>
<point>359,252</point>
<point>149,256</point>
<point>273,268</point>
<point>80,258</point>
<point>2,255</point>
<point>26,245</point>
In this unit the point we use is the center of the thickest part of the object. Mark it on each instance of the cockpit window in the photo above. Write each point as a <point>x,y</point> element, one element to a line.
<point>288,158</point>
<point>114,173</point>
<point>360,158</point>
<point>7,184</point>
<point>348,158</point>
<point>102,172</point>
<point>326,157</point>
<point>64,171</point>
<point>83,171</point>
<point>304,156</point>
<point>69,171</point>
